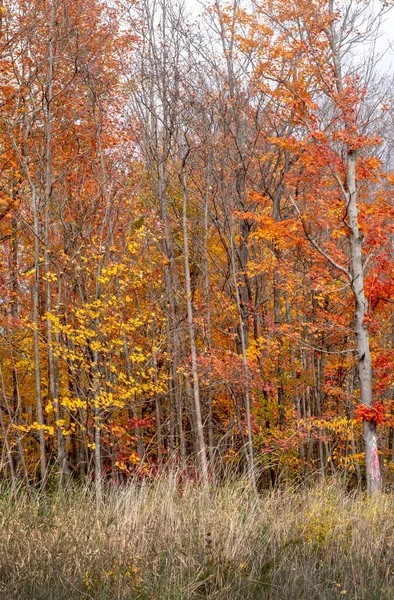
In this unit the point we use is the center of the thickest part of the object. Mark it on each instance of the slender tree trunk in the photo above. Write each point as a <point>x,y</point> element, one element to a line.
<point>133,408</point>
<point>98,481</point>
<point>249,445</point>
<point>36,325</point>
<point>374,480</point>
<point>278,318</point>
<point>208,336</point>
<point>6,439</point>
<point>202,456</point>
<point>13,411</point>
<point>179,415</point>
<point>14,305</point>
<point>61,443</point>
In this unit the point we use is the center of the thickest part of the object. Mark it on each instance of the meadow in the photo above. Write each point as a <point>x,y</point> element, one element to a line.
<point>160,541</point>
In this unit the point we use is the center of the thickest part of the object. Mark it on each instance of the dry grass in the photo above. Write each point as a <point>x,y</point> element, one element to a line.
<point>158,542</point>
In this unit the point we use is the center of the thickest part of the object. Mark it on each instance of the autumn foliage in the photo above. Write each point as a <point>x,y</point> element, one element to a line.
<point>177,284</point>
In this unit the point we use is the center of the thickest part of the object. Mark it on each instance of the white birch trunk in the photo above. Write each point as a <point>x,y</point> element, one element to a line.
<point>374,481</point>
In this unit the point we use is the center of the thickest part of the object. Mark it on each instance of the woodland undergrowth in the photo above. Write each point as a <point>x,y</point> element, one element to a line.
<point>164,542</point>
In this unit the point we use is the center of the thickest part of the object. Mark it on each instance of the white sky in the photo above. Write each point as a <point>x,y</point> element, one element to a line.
<point>387,42</point>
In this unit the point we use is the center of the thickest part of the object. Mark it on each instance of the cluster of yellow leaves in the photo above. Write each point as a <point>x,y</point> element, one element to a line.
<point>338,425</point>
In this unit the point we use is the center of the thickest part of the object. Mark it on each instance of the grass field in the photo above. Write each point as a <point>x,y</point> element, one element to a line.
<point>161,542</point>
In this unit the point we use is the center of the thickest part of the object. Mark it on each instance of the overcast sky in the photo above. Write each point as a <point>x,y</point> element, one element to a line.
<point>387,41</point>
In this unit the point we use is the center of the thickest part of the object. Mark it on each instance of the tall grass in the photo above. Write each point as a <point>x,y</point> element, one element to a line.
<point>162,542</point>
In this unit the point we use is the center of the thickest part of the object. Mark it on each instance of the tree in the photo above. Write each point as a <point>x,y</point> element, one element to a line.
<point>334,104</point>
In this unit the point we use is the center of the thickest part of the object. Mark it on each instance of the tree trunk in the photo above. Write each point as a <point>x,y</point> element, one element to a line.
<point>202,456</point>
<point>36,324</point>
<point>61,443</point>
<point>374,480</point>
<point>243,334</point>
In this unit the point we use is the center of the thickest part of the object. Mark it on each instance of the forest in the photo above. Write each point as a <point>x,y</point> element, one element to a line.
<point>196,238</point>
